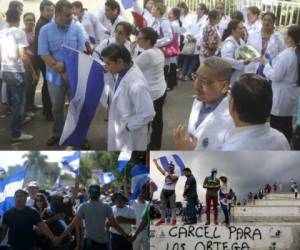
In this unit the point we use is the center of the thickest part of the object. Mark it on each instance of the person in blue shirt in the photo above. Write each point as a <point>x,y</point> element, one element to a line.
<point>53,36</point>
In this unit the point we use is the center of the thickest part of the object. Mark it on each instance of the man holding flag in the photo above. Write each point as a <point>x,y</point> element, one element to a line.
<point>168,195</point>
<point>51,40</point>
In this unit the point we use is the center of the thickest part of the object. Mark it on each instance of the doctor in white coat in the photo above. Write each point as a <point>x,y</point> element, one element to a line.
<point>266,41</point>
<point>284,75</point>
<point>250,105</point>
<point>209,120</point>
<point>131,108</point>
<point>232,40</point>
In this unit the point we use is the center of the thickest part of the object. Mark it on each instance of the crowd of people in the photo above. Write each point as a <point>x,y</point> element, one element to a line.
<point>240,104</point>
<point>218,192</point>
<point>76,218</point>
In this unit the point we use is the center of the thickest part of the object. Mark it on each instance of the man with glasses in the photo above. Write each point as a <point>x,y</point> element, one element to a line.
<point>209,118</point>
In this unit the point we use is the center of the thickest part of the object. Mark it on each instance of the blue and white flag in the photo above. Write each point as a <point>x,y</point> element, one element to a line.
<point>72,163</point>
<point>86,80</point>
<point>2,171</point>
<point>123,159</point>
<point>106,178</point>
<point>139,176</point>
<point>57,185</point>
<point>127,4</point>
<point>8,187</point>
<point>175,160</point>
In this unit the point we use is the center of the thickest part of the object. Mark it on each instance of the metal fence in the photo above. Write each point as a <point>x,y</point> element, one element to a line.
<point>287,13</point>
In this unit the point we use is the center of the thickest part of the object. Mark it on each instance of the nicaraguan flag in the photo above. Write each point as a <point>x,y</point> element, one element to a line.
<point>139,176</point>
<point>86,80</point>
<point>57,184</point>
<point>106,178</point>
<point>175,160</point>
<point>72,163</point>
<point>8,187</point>
<point>2,171</point>
<point>123,159</point>
<point>127,4</point>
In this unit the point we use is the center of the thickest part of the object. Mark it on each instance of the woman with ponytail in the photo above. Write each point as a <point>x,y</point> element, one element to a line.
<point>232,40</point>
<point>285,77</point>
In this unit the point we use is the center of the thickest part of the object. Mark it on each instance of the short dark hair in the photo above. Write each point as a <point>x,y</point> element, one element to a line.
<point>29,14</point>
<point>13,16</point>
<point>45,3</point>
<point>237,15</point>
<point>113,5</point>
<point>252,96</point>
<point>13,5</point>
<point>61,4</point>
<point>187,170</point>
<point>77,4</point>
<point>114,52</point>
<point>254,10</point>
<point>272,15</point>
<point>213,15</point>
<point>126,26</point>
<point>149,34</point>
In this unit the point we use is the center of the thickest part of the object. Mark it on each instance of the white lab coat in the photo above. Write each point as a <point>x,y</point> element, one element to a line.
<point>131,107</point>
<point>106,23</point>
<point>228,48</point>
<point>256,137</point>
<point>223,24</point>
<point>196,30</point>
<point>284,77</point>
<point>211,132</point>
<point>275,46</point>
<point>144,12</point>
<point>253,27</point>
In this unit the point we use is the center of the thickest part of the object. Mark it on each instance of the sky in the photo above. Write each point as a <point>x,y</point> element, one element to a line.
<point>10,158</point>
<point>246,171</point>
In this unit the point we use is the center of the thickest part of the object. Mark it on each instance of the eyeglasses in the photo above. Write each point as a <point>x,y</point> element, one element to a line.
<point>38,200</point>
<point>204,81</point>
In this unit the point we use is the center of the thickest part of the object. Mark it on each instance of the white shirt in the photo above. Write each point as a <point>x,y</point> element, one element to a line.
<point>92,26</point>
<point>29,202</point>
<point>222,25</point>
<point>138,209</point>
<point>228,48</point>
<point>284,77</point>
<point>196,29</point>
<point>253,27</point>
<point>11,40</point>
<point>124,212</point>
<point>144,12</point>
<point>256,137</point>
<point>151,63</point>
<point>169,184</point>
<point>108,25</point>
<point>187,22</point>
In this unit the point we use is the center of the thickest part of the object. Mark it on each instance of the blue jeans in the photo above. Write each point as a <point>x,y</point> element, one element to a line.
<point>191,209</point>
<point>16,99</point>
<point>190,64</point>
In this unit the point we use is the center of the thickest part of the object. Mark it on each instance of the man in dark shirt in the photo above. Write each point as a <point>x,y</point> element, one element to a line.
<point>20,221</point>
<point>47,13</point>
<point>212,184</point>
<point>190,193</point>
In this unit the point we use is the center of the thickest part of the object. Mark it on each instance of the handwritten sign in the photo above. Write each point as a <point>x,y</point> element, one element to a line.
<point>200,237</point>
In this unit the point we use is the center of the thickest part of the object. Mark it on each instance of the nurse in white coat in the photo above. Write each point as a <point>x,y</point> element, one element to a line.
<point>284,75</point>
<point>266,41</point>
<point>131,108</point>
<point>232,40</point>
<point>250,105</point>
<point>146,12</point>
<point>209,120</point>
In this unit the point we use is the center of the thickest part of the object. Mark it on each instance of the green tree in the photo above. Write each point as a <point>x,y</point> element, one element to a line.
<point>36,162</point>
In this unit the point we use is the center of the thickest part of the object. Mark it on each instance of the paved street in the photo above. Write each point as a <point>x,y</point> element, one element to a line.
<point>176,110</point>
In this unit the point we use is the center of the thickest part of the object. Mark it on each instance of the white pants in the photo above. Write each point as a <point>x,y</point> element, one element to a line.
<point>142,241</point>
